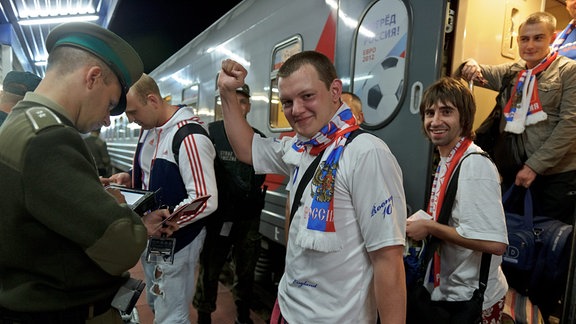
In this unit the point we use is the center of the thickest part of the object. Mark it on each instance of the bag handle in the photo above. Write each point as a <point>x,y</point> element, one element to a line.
<point>528,204</point>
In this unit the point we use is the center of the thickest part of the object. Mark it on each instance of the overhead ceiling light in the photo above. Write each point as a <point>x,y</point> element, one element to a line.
<point>56,20</point>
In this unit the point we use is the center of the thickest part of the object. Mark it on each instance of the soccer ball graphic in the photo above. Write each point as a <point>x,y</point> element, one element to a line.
<point>382,89</point>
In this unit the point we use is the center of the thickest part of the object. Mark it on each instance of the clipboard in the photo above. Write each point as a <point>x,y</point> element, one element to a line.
<point>139,201</point>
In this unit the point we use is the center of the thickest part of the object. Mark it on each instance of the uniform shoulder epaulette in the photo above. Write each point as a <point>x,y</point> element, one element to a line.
<point>42,118</point>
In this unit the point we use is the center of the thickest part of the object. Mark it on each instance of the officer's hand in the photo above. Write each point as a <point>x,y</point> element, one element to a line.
<point>122,178</point>
<point>117,194</point>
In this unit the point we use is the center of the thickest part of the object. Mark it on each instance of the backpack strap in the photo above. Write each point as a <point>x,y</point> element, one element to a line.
<point>305,179</point>
<point>444,217</point>
<point>182,133</point>
<point>353,134</point>
<point>310,171</point>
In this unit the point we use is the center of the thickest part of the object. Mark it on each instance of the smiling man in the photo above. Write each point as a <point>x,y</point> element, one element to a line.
<point>539,109</point>
<point>344,256</point>
<point>478,225</point>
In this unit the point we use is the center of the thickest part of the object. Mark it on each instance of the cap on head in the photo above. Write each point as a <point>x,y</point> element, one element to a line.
<point>18,82</point>
<point>107,46</point>
<point>245,89</point>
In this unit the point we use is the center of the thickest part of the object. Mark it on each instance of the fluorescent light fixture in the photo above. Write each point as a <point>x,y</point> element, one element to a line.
<point>259,98</point>
<point>205,112</point>
<point>182,80</point>
<point>332,3</point>
<point>56,20</point>
<point>222,49</point>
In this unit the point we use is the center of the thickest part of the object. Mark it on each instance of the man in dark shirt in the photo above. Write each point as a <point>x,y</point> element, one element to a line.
<point>235,226</point>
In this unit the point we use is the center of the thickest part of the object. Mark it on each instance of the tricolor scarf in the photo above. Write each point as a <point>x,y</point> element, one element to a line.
<point>439,186</point>
<point>524,107</point>
<point>318,232</point>
<point>561,38</point>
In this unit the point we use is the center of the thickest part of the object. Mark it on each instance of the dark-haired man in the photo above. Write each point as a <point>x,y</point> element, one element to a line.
<point>477,217</point>
<point>235,229</point>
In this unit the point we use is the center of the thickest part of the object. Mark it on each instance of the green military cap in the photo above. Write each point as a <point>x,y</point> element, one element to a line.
<point>107,46</point>
<point>19,82</point>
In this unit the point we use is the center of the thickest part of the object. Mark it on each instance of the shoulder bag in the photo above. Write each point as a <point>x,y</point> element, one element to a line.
<point>506,149</point>
<point>537,259</point>
<point>420,308</point>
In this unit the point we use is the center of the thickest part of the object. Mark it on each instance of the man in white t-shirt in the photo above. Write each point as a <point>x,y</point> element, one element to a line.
<point>477,221</point>
<point>344,253</point>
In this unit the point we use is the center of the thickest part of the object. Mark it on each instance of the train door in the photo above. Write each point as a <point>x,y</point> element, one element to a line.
<point>488,43</point>
<point>395,52</point>
<point>416,42</point>
<point>399,47</point>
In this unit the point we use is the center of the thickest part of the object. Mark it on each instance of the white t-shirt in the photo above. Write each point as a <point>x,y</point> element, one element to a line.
<point>369,213</point>
<point>477,214</point>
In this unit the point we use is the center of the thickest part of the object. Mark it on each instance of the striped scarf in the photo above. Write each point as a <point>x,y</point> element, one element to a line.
<point>439,186</point>
<point>561,38</point>
<point>319,232</point>
<point>524,107</point>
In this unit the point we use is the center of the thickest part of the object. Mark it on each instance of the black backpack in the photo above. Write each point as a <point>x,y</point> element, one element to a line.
<point>231,189</point>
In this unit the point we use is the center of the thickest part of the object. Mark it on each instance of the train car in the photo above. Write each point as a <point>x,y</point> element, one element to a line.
<point>385,51</point>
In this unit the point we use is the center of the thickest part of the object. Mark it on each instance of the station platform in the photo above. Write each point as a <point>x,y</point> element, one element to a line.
<point>225,309</point>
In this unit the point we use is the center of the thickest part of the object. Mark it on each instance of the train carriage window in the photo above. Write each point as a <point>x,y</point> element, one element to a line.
<point>380,61</point>
<point>281,53</point>
<point>217,101</point>
<point>277,118</point>
<point>190,96</point>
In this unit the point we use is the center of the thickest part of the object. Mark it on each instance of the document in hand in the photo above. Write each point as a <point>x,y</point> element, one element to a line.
<point>187,209</point>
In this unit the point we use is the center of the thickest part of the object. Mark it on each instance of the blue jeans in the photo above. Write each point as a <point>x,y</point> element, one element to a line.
<point>171,286</point>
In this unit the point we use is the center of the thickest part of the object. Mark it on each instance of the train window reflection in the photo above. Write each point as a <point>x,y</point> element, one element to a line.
<point>277,117</point>
<point>217,102</point>
<point>190,95</point>
<point>280,54</point>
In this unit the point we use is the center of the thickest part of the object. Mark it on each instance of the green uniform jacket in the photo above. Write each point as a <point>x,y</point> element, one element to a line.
<point>64,240</point>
